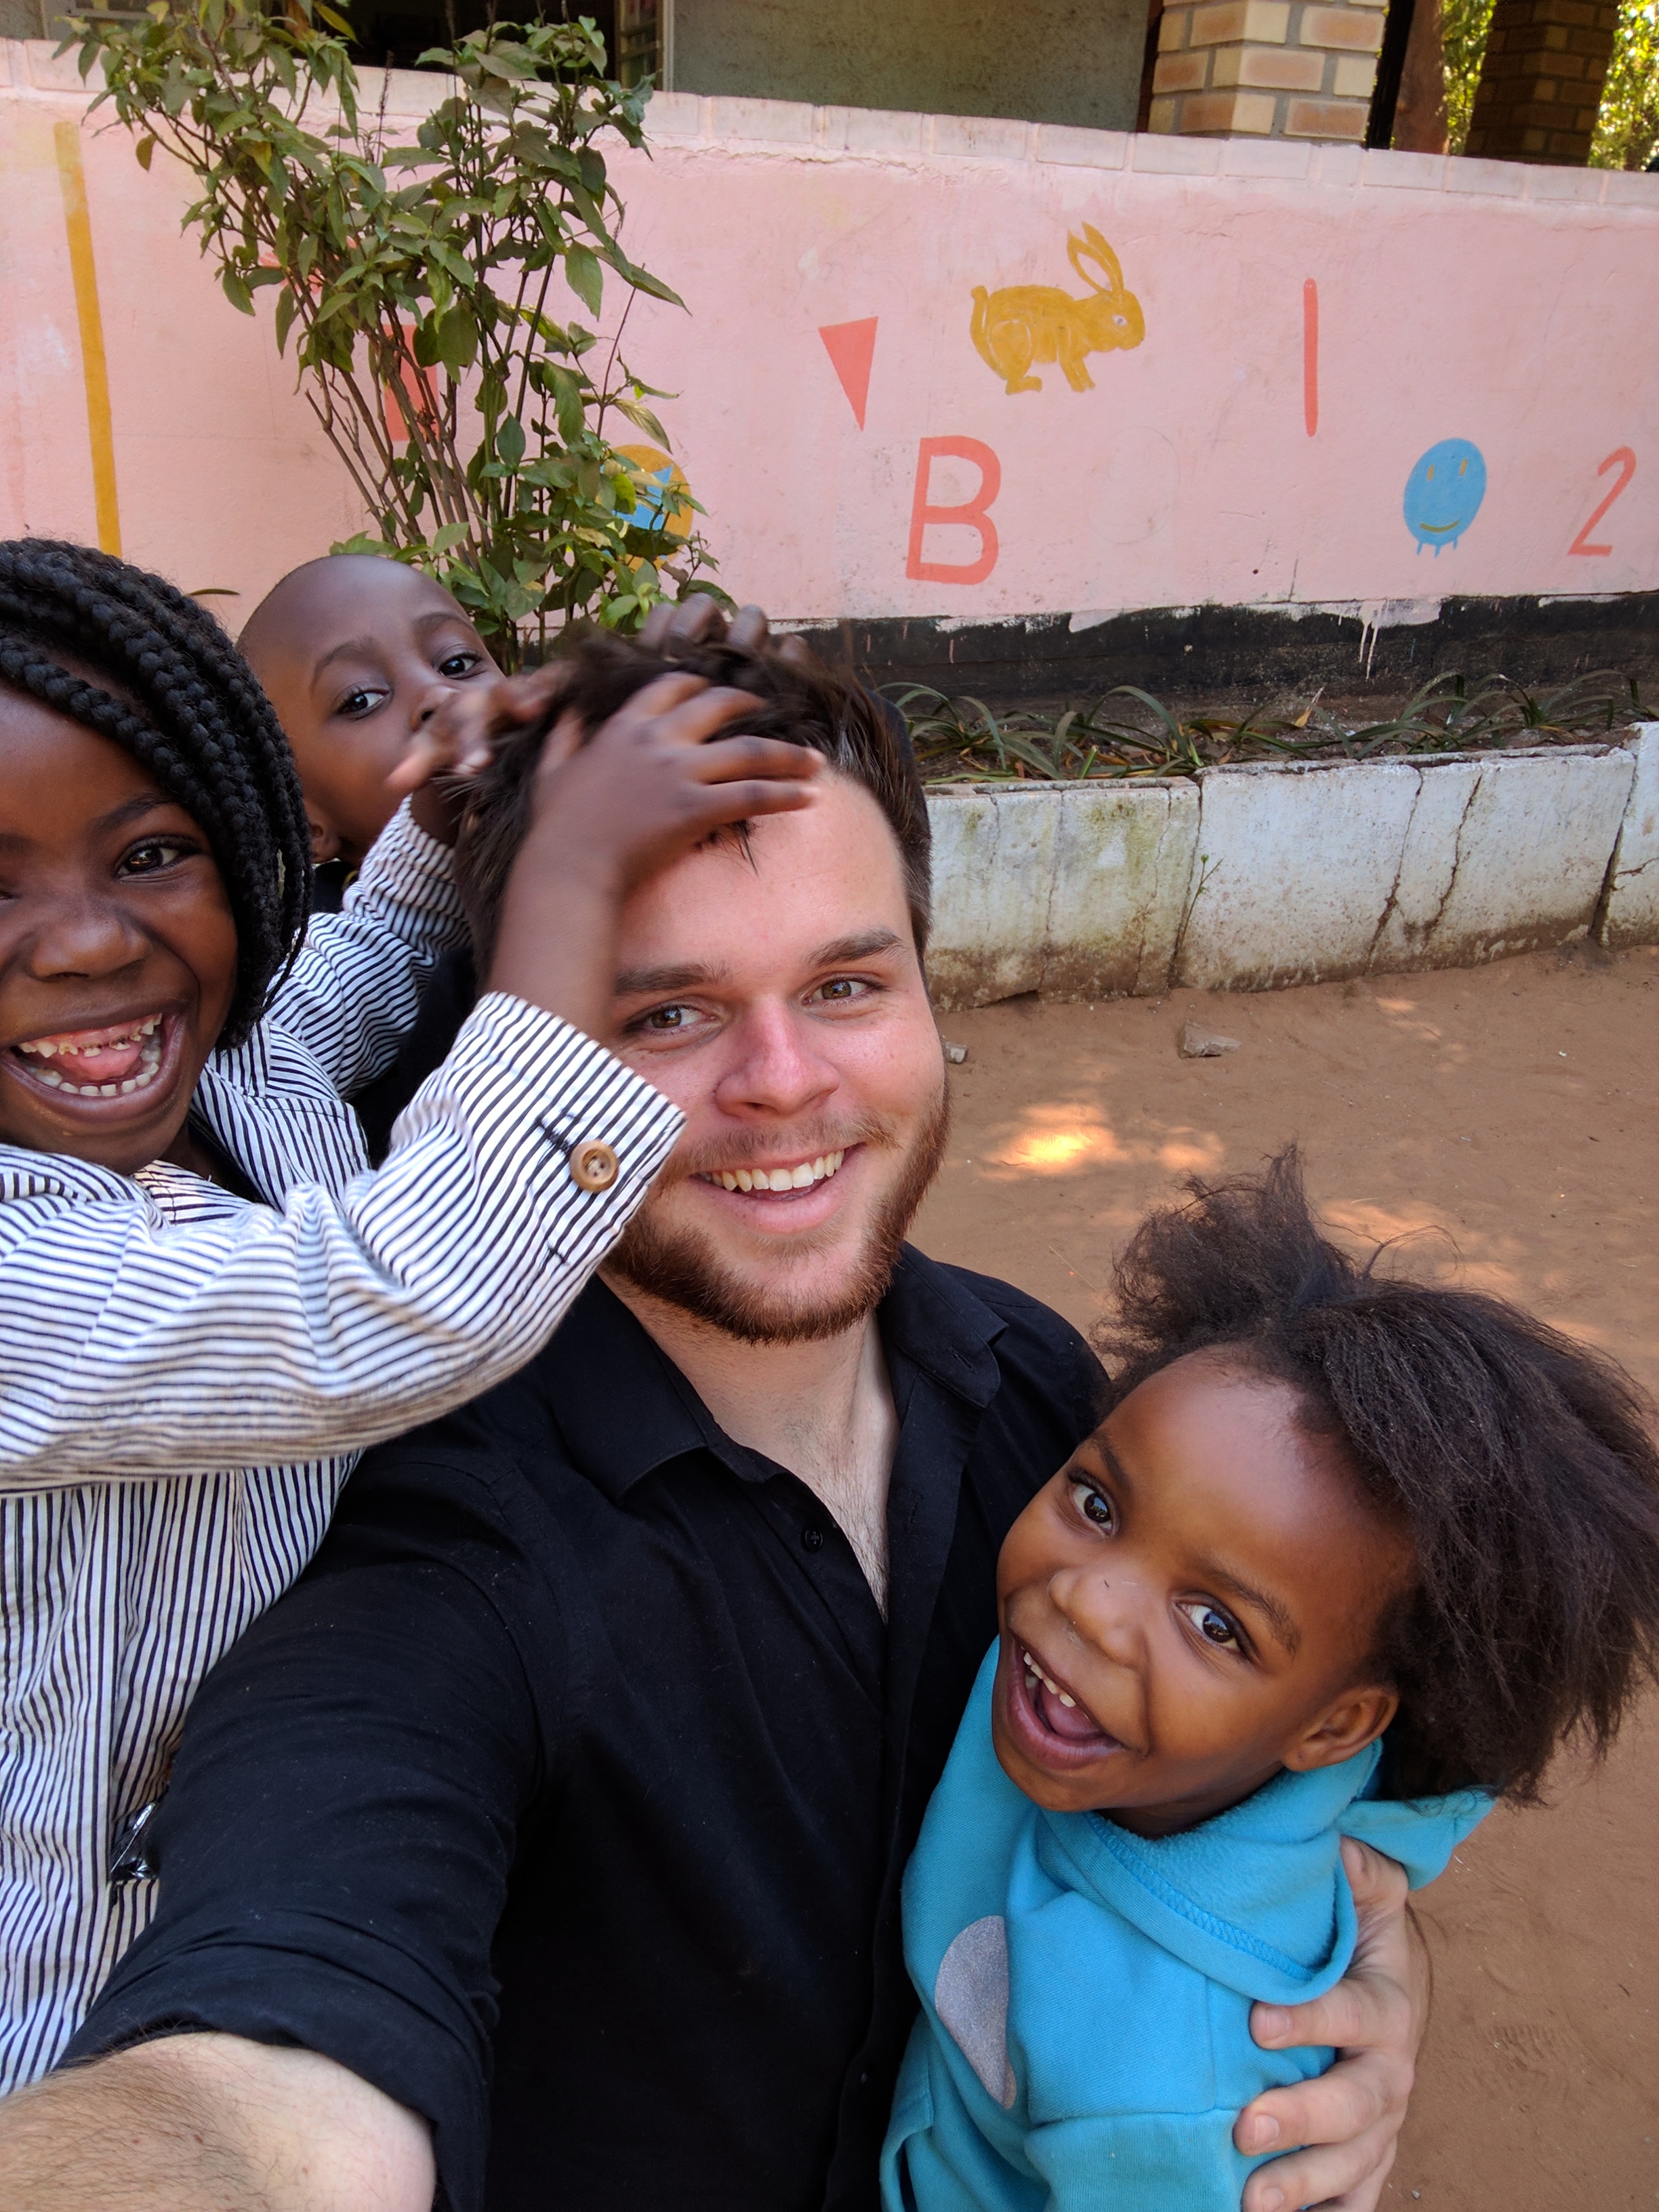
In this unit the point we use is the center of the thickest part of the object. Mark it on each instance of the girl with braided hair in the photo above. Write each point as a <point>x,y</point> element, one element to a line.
<point>208,1304</point>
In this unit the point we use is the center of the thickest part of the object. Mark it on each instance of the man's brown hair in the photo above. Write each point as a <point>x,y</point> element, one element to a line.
<point>804,704</point>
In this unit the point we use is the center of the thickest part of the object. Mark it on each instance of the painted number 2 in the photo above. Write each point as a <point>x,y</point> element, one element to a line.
<point>1624,460</point>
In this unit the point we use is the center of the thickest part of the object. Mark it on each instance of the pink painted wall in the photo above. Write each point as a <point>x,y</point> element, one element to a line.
<point>1222,458</point>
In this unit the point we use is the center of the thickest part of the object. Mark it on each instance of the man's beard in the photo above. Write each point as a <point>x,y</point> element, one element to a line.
<point>683,1268</point>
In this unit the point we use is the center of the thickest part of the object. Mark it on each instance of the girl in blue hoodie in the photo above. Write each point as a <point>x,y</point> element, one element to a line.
<point>1350,1556</point>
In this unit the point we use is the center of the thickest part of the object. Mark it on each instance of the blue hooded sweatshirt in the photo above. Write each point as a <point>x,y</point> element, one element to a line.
<point>1085,2036</point>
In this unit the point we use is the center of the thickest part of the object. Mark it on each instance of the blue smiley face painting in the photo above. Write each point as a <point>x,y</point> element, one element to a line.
<point>1443,493</point>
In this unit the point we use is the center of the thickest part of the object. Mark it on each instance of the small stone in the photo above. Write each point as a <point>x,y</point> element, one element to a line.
<point>1204,1044</point>
<point>956,1054</point>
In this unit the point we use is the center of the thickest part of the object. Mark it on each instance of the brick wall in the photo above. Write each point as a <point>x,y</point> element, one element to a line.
<point>1269,69</point>
<point>1540,82</point>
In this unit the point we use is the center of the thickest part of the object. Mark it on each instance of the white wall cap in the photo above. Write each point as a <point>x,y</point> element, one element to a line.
<point>1067,144</point>
<point>1265,157</point>
<point>1422,172</point>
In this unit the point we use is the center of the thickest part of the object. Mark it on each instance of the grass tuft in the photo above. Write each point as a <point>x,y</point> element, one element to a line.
<point>965,740</point>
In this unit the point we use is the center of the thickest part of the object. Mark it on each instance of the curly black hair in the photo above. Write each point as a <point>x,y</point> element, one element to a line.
<point>1519,1461</point>
<point>804,704</point>
<point>184,702</point>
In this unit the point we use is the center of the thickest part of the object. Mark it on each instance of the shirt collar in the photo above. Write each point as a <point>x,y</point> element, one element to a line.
<point>625,1409</point>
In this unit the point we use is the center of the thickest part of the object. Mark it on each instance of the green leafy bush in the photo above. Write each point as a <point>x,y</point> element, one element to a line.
<point>425,290</point>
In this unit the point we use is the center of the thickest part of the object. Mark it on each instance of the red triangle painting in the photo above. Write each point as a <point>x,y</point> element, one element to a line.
<point>852,348</point>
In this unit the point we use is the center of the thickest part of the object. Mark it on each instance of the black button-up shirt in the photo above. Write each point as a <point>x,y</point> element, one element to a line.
<point>584,1737</point>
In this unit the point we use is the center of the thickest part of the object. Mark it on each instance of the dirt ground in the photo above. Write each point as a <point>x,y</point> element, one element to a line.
<point>1504,1118</point>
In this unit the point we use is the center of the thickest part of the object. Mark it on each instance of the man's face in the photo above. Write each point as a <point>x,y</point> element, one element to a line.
<point>776,997</point>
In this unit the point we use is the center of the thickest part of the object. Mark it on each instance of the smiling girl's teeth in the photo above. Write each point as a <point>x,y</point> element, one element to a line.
<point>799,1177</point>
<point>1034,1675</point>
<point>71,1045</point>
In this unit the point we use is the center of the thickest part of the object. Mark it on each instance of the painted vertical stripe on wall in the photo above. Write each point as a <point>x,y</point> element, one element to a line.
<point>94,369</point>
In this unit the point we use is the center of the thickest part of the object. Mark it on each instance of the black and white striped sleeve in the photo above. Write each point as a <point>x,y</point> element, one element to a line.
<point>129,1346</point>
<point>352,993</point>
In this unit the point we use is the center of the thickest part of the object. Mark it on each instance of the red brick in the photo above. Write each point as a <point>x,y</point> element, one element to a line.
<point>1180,73</point>
<point>1283,69</point>
<point>1234,113</point>
<point>1347,29</point>
<point>1326,118</point>
<point>1257,22</point>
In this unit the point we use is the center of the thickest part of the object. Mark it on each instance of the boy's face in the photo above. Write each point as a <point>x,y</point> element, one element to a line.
<point>354,653</point>
<point>1189,1606</point>
<point>117,948</point>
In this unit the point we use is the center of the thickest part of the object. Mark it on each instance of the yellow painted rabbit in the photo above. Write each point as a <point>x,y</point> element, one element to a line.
<point>1025,323</point>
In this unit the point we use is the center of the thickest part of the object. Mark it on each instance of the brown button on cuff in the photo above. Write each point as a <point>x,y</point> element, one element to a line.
<point>593,1166</point>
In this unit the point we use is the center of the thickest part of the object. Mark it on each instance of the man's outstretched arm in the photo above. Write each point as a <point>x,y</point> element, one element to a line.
<point>1349,2119</point>
<point>211,2123</point>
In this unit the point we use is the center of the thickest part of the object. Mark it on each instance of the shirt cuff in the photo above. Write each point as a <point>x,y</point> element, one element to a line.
<point>592,1135</point>
<point>406,864</point>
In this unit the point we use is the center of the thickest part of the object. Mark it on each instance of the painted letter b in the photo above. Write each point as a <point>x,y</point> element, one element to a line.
<point>973,512</point>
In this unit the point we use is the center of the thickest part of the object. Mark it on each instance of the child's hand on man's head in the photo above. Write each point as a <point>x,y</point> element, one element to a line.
<point>579,817</point>
<point>657,779</point>
<point>459,739</point>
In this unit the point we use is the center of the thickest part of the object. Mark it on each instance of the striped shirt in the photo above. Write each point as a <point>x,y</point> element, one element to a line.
<point>186,1378</point>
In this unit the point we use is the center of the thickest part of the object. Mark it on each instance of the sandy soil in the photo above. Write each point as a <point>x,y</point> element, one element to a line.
<point>1504,1118</point>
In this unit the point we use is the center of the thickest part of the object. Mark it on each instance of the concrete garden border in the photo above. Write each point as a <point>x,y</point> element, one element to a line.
<point>1255,877</point>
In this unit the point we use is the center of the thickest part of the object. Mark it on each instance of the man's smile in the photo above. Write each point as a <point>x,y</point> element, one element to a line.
<point>778,1180</point>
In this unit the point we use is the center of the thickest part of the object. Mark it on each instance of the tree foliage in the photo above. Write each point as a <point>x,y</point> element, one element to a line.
<point>1463,27</point>
<point>1627,125</point>
<point>1627,128</point>
<point>426,288</point>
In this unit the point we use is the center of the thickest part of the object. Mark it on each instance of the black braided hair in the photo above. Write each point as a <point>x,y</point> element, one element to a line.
<point>193,714</point>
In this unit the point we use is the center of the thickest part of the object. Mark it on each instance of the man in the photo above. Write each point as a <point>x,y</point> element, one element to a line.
<point>601,1730</point>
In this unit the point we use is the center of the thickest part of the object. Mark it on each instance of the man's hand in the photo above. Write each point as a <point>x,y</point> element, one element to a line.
<point>1350,2119</point>
<point>212,2124</point>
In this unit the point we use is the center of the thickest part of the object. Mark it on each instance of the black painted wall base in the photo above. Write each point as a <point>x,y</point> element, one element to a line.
<point>1258,649</point>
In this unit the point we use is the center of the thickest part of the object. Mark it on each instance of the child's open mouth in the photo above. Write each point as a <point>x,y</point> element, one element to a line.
<point>1049,1716</point>
<point>106,1063</point>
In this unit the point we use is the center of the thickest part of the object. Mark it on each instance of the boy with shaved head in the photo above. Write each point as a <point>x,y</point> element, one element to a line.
<point>356,654</point>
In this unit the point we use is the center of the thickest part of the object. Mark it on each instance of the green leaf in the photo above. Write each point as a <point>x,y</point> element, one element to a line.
<point>642,419</point>
<point>145,149</point>
<point>510,441</point>
<point>287,307</point>
<point>583,274</point>
<point>643,280</point>
<point>236,292</point>
<point>457,340</point>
